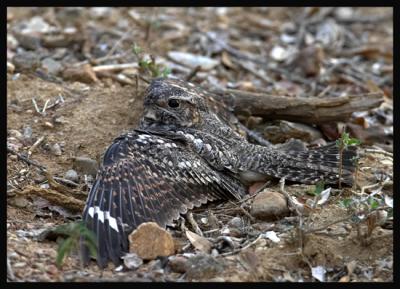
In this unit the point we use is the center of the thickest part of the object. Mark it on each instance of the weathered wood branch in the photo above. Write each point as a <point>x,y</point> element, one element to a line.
<point>313,110</point>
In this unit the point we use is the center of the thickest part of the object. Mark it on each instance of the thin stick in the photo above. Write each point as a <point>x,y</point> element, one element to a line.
<point>114,67</point>
<point>112,50</point>
<point>45,106</point>
<point>243,210</point>
<point>36,106</point>
<point>211,231</point>
<point>291,203</point>
<point>341,148</point>
<point>243,248</point>
<point>373,186</point>
<point>25,159</point>
<point>328,225</point>
<point>35,145</point>
<point>193,223</point>
<point>378,151</point>
<point>144,79</point>
<point>10,273</point>
<point>300,229</point>
<point>345,219</point>
<point>121,78</point>
<point>67,182</point>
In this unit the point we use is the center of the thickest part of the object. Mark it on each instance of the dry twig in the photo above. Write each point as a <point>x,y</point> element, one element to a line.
<point>193,223</point>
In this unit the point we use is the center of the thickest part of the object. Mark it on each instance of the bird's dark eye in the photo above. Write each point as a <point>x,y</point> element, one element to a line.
<point>173,103</point>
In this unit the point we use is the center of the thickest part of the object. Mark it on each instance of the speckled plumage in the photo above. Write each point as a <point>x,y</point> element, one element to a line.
<point>185,153</point>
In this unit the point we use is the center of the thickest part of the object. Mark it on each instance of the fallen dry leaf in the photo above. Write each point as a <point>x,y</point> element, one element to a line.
<point>199,242</point>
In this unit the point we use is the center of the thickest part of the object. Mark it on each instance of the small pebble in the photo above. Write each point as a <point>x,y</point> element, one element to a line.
<point>52,66</point>
<point>27,133</point>
<point>132,261</point>
<point>19,202</point>
<point>83,73</point>
<point>86,166</point>
<point>26,61</point>
<point>19,265</point>
<point>268,205</point>
<point>71,175</point>
<point>56,149</point>
<point>203,266</point>
<point>48,124</point>
<point>10,67</point>
<point>236,222</point>
<point>177,264</point>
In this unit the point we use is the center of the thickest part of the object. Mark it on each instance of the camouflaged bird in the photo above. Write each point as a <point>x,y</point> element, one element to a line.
<point>184,154</point>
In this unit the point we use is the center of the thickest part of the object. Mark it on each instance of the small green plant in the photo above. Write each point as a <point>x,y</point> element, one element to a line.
<point>149,66</point>
<point>74,231</point>
<point>319,187</point>
<point>370,210</point>
<point>342,143</point>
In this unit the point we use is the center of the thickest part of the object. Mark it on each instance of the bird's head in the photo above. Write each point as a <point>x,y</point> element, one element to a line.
<point>172,102</point>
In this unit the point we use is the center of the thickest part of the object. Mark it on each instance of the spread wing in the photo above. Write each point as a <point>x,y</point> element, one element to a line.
<point>144,178</point>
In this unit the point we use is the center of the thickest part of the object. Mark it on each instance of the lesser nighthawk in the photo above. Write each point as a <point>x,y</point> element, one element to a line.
<point>185,153</point>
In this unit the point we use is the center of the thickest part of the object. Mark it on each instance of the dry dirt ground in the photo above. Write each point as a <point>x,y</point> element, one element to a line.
<point>83,125</point>
<point>94,115</point>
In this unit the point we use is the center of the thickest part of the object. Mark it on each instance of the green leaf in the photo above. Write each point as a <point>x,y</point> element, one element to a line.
<point>353,141</point>
<point>319,188</point>
<point>92,248</point>
<point>166,71</point>
<point>136,49</point>
<point>64,249</point>
<point>345,137</point>
<point>373,203</point>
<point>144,63</point>
<point>346,203</point>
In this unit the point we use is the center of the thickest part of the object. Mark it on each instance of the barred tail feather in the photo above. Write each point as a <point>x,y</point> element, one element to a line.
<point>309,167</point>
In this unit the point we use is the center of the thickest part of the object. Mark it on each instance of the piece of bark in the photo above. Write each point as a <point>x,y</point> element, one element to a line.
<point>54,197</point>
<point>310,110</point>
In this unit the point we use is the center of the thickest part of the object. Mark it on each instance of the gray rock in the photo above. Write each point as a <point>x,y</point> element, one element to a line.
<point>28,41</point>
<point>26,61</point>
<point>85,165</point>
<point>177,264</point>
<point>269,205</point>
<point>56,149</point>
<point>19,202</point>
<point>132,261</point>
<point>203,267</point>
<point>36,25</point>
<point>71,175</point>
<point>27,134</point>
<point>236,222</point>
<point>52,66</point>
<point>12,42</point>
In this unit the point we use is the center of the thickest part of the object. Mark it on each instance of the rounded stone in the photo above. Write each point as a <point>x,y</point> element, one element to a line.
<point>71,175</point>
<point>269,205</point>
<point>236,222</point>
<point>149,241</point>
<point>177,264</point>
<point>85,165</point>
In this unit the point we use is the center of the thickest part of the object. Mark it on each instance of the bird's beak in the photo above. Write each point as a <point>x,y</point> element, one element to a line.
<point>149,114</point>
